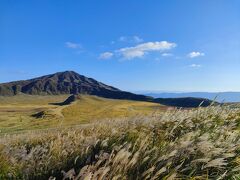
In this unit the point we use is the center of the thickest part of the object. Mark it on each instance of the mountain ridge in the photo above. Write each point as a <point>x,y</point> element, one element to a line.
<point>227,96</point>
<point>67,82</point>
<point>70,82</point>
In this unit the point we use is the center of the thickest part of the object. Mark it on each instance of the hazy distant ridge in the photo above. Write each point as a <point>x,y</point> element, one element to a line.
<point>220,96</point>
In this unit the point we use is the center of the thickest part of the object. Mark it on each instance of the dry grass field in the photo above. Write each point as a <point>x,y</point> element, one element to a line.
<point>16,112</point>
<point>97,138</point>
<point>197,144</point>
<point>92,108</point>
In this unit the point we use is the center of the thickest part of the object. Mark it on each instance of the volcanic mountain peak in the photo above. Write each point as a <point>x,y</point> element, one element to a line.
<point>70,78</point>
<point>67,82</point>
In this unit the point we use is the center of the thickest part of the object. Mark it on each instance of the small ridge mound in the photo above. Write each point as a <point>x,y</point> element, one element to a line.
<point>57,112</point>
<point>50,114</point>
<point>40,114</point>
<point>70,99</point>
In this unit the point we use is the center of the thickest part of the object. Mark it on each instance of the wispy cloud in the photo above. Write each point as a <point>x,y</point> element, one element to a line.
<point>130,39</point>
<point>106,55</point>
<point>141,49</point>
<point>167,54</point>
<point>195,54</point>
<point>73,45</point>
<point>195,65</point>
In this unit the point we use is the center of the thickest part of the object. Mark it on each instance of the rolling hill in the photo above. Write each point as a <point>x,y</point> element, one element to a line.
<point>187,102</point>
<point>33,112</point>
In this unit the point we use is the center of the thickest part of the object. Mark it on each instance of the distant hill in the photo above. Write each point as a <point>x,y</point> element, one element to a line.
<point>70,82</point>
<point>183,102</point>
<point>219,96</point>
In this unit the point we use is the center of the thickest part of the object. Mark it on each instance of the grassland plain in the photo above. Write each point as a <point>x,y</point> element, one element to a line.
<point>16,112</point>
<point>202,143</point>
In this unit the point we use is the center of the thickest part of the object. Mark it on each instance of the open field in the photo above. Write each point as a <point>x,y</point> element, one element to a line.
<point>16,112</point>
<point>97,138</point>
<point>198,144</point>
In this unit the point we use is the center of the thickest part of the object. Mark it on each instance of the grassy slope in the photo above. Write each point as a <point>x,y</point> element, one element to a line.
<point>92,108</point>
<point>195,144</point>
<point>16,111</point>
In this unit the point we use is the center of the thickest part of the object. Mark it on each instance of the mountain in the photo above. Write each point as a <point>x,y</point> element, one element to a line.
<point>219,96</point>
<point>70,82</point>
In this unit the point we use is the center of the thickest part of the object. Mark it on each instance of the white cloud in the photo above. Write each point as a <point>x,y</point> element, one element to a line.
<point>167,54</point>
<point>141,49</point>
<point>73,45</point>
<point>195,65</point>
<point>130,39</point>
<point>106,55</point>
<point>195,54</point>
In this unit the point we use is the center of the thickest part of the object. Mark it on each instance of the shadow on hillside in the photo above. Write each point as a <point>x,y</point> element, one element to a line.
<point>68,101</point>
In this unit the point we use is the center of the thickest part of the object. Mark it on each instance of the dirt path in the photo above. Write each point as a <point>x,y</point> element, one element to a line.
<point>58,110</point>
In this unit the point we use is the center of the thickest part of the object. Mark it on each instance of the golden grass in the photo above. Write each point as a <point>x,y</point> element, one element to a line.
<point>16,111</point>
<point>29,100</point>
<point>92,108</point>
<point>198,144</point>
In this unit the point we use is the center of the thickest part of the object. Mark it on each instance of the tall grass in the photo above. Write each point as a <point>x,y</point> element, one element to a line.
<point>203,143</point>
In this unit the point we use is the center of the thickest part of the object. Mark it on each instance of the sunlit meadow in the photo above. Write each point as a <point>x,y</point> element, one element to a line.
<point>202,143</point>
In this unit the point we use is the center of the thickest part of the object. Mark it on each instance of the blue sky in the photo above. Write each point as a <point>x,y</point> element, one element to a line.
<point>134,45</point>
